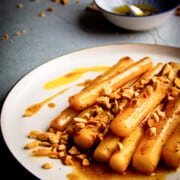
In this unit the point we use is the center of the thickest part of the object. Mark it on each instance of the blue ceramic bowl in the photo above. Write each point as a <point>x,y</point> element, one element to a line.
<point>165,10</point>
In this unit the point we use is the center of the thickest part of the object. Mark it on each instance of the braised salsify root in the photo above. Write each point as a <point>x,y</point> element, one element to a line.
<point>88,97</point>
<point>171,149</point>
<point>138,108</point>
<point>148,152</point>
<point>64,119</point>
<point>121,158</point>
<point>106,147</point>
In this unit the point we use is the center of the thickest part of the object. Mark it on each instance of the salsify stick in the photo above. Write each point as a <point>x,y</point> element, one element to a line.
<point>123,154</point>
<point>148,152</point>
<point>138,108</point>
<point>106,147</point>
<point>87,97</point>
<point>171,149</point>
<point>117,67</point>
<point>64,119</point>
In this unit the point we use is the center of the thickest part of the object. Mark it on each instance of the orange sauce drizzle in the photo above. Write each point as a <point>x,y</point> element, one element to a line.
<point>51,105</point>
<point>62,80</point>
<point>35,108</point>
<point>72,76</point>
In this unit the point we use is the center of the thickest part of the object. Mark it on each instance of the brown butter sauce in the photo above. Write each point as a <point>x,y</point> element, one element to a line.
<point>99,171</point>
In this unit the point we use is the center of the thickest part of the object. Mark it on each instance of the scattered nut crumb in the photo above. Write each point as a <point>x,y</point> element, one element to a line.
<point>5,37</point>
<point>20,5</point>
<point>47,166</point>
<point>120,145</point>
<point>17,33</point>
<point>50,9</point>
<point>42,14</point>
<point>34,134</point>
<point>152,131</point>
<point>85,162</point>
<point>65,2</point>
<point>32,145</point>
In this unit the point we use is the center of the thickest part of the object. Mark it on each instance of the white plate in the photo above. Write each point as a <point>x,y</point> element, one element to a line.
<point>29,90</point>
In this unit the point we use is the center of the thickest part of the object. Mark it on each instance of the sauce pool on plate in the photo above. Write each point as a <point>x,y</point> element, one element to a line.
<point>101,171</point>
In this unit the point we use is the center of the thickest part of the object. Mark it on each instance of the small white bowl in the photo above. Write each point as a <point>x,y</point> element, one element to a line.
<point>166,9</point>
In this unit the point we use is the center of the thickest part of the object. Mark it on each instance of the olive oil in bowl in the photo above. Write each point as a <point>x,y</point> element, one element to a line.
<point>147,9</point>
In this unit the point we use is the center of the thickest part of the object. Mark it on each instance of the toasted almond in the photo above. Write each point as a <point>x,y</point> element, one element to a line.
<point>54,155</point>
<point>151,122</point>
<point>61,147</point>
<point>128,93</point>
<point>177,82</point>
<point>73,150</point>
<point>5,36</point>
<point>152,131</point>
<point>85,162</point>
<point>171,75</point>
<point>79,120</point>
<point>43,143</point>
<point>47,166</point>
<point>34,134</point>
<point>20,5</point>
<point>43,136</point>
<point>80,125</point>
<point>81,156</point>
<point>62,154</point>
<point>50,9</point>
<point>106,91</point>
<point>65,2</point>
<point>120,146</point>
<point>68,160</point>
<point>32,145</point>
<point>161,114</point>
<point>155,116</point>
<point>149,89</point>
<point>166,69</point>
<point>54,138</point>
<point>42,152</point>
<point>42,14</point>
